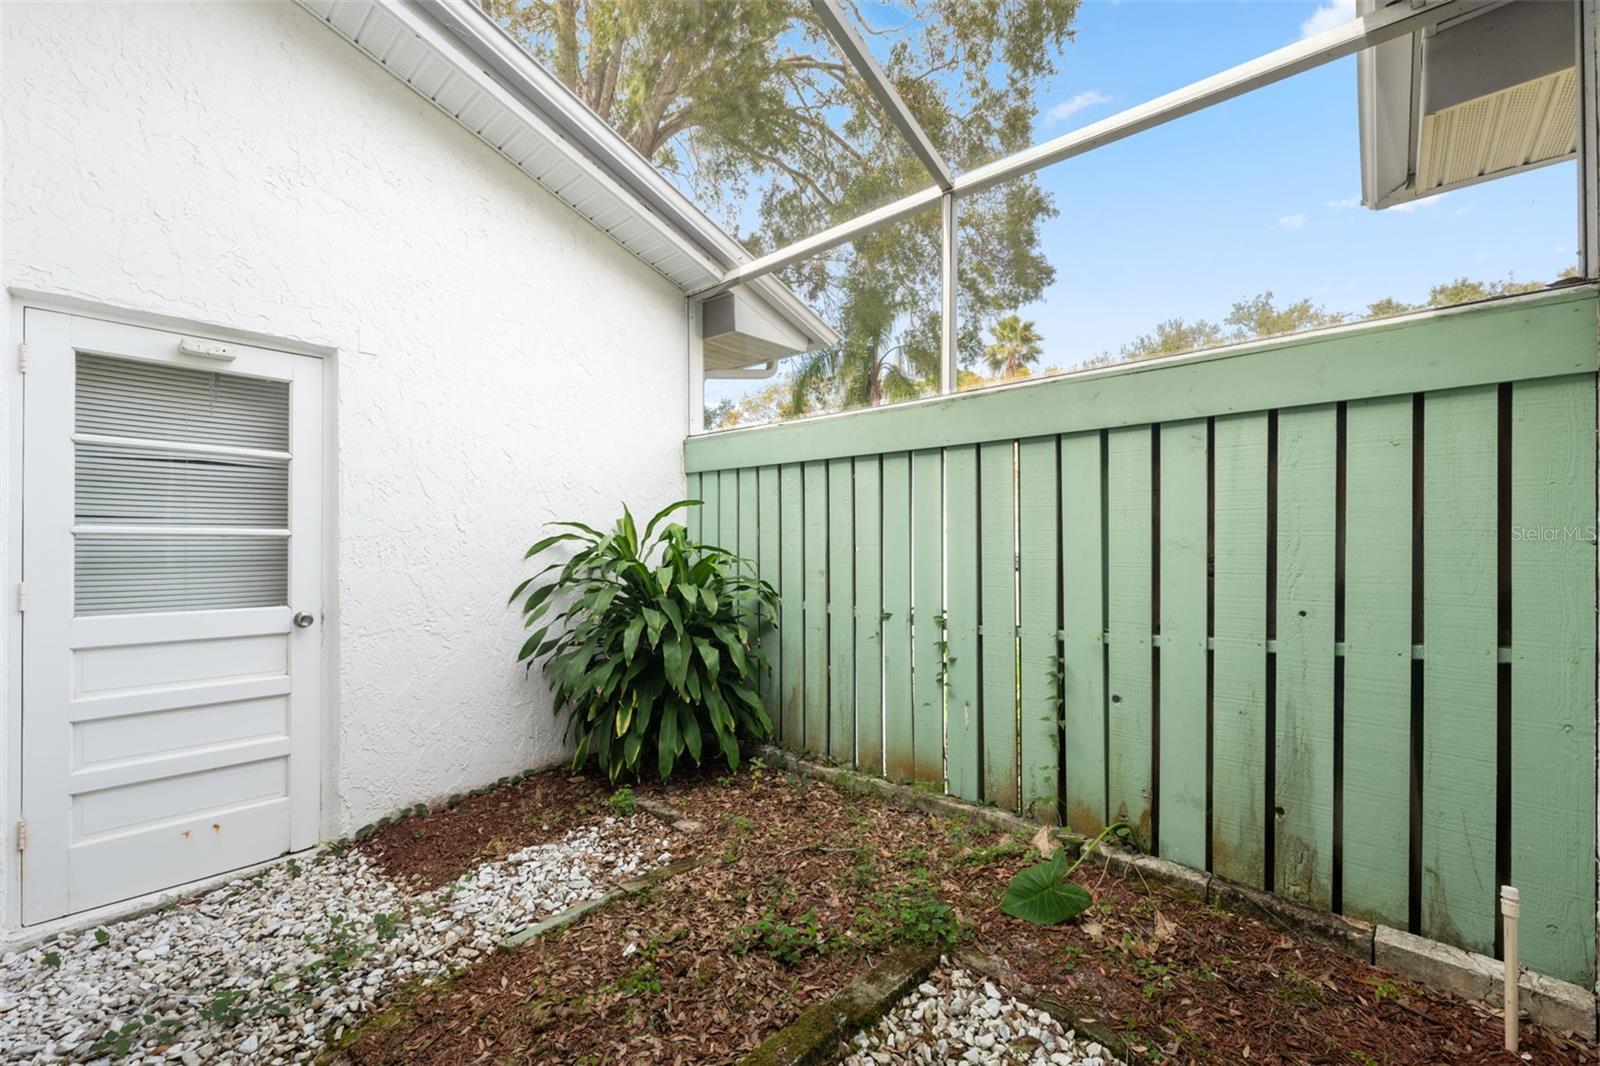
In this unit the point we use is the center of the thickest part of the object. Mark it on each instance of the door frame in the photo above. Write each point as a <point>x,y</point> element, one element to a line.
<point>21,301</point>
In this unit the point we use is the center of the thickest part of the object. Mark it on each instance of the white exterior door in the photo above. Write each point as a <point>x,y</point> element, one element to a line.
<point>172,563</point>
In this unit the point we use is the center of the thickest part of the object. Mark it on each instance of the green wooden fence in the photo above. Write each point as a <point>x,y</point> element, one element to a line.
<point>1317,615</point>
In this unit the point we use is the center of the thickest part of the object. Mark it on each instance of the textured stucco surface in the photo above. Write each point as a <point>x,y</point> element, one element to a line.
<point>500,362</point>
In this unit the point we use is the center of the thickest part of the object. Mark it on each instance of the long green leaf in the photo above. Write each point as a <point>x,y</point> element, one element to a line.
<point>547,542</point>
<point>650,527</point>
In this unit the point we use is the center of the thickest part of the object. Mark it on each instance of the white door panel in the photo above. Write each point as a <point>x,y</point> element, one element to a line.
<point>172,531</point>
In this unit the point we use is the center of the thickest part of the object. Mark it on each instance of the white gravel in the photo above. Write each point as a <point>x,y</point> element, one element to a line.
<point>955,1017</point>
<point>267,970</point>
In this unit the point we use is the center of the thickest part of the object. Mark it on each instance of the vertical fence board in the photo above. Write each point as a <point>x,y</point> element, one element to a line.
<point>1303,791</point>
<point>815,477</point>
<point>1460,639</point>
<point>791,605</point>
<point>998,621</point>
<point>749,531</point>
<point>1083,634</point>
<point>710,509</point>
<point>927,586</point>
<point>769,568</point>
<point>1182,811</point>
<point>898,737</point>
<point>1553,673</point>
<point>841,612</point>
<point>1129,499</point>
<point>962,729</point>
<point>1038,680</point>
<point>869,618</point>
<point>691,514</point>
<point>1239,649</point>
<point>748,540</point>
<point>1377,660</point>
<point>728,510</point>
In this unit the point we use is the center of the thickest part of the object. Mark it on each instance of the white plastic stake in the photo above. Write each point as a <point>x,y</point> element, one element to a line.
<point>1510,908</point>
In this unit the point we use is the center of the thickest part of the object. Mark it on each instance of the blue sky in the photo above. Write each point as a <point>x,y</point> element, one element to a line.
<point>1259,193</point>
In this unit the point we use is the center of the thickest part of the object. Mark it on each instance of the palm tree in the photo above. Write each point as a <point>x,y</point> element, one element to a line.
<point>1016,344</point>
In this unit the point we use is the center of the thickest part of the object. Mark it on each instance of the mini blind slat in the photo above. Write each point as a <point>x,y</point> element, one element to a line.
<point>123,398</point>
<point>126,573</point>
<point>131,487</point>
<point>117,574</point>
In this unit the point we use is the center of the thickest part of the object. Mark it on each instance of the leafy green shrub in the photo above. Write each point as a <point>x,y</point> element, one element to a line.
<point>910,914</point>
<point>1041,894</point>
<point>651,648</point>
<point>783,942</point>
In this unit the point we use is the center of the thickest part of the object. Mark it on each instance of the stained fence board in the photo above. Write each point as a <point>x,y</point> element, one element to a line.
<point>1460,637</point>
<point>868,546</point>
<point>711,509</point>
<point>898,738</point>
<point>728,509</point>
<point>1183,739</point>
<point>791,605</point>
<point>1129,573</point>
<point>1377,660</point>
<point>749,526</point>
<point>769,569</point>
<point>691,514</point>
<point>815,478</point>
<point>1304,738</point>
<point>1553,673</point>
<point>1239,643</point>
<point>1083,710</point>
<point>997,532</point>
<point>841,612</point>
<point>1038,578</point>
<point>962,729</point>
<point>927,586</point>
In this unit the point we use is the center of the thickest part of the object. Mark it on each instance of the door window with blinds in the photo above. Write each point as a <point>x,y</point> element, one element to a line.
<point>181,488</point>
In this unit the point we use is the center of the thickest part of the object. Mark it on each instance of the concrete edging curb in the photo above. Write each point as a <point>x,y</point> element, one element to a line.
<point>1547,1001</point>
<point>576,913</point>
<point>816,1035</point>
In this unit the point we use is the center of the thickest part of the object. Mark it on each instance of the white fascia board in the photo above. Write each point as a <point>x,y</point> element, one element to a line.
<point>388,30</point>
<point>485,39</point>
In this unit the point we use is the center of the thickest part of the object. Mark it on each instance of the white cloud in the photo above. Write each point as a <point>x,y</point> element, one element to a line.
<point>1292,222</point>
<point>1331,14</point>
<point>1345,204</point>
<point>1067,108</point>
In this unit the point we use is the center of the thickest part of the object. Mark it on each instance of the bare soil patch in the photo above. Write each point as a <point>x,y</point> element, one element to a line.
<point>435,849</point>
<point>806,885</point>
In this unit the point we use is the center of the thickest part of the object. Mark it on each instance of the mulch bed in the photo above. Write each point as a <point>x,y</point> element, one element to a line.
<point>436,849</point>
<point>713,961</point>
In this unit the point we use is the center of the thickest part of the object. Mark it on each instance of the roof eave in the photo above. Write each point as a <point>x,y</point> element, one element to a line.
<point>481,35</point>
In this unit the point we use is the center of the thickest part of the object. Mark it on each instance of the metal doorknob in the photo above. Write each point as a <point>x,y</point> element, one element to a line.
<point>304,619</point>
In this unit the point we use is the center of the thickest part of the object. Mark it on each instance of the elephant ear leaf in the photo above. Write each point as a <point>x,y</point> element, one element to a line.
<point>1041,895</point>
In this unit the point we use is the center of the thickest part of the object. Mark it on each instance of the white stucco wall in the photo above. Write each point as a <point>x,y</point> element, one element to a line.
<point>500,362</point>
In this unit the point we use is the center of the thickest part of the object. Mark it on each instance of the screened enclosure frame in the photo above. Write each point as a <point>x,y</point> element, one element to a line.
<point>1388,22</point>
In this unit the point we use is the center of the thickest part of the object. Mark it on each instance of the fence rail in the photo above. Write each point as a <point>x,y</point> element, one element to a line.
<point>1317,615</point>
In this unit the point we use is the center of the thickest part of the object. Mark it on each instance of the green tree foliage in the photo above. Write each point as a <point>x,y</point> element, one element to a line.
<point>1016,346</point>
<point>749,105</point>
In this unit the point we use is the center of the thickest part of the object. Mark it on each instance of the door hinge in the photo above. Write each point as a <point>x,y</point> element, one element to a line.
<point>22,357</point>
<point>22,596</point>
<point>22,834</point>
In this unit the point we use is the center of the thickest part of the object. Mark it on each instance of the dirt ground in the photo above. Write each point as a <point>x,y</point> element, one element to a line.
<point>802,885</point>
